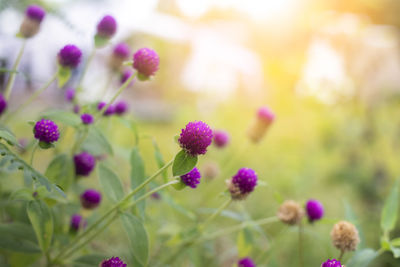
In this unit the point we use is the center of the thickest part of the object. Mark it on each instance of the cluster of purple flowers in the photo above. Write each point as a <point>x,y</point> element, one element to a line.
<point>120,108</point>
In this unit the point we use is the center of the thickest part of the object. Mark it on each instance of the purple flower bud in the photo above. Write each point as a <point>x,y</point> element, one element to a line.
<point>84,163</point>
<point>314,209</point>
<point>77,222</point>
<point>69,94</point>
<point>195,138</point>
<point>221,138</point>
<point>90,199</point>
<point>331,263</point>
<point>35,12</point>
<point>146,62</point>
<point>87,118</point>
<point>107,27</point>
<point>69,56</point>
<point>46,131</point>
<point>191,178</point>
<point>113,262</point>
<point>126,74</point>
<point>260,125</point>
<point>246,262</point>
<point>77,108</point>
<point>121,107</point>
<point>266,114</point>
<point>242,183</point>
<point>121,50</point>
<point>3,104</point>
<point>110,110</point>
<point>156,196</point>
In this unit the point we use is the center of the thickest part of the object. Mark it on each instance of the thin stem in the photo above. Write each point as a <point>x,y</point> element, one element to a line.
<point>85,69</point>
<point>215,214</point>
<point>107,85</point>
<point>341,255</point>
<point>301,258</point>
<point>33,153</point>
<point>11,79</point>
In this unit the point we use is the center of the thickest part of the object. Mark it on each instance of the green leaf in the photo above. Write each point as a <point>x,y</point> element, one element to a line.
<point>100,42</point>
<point>160,160</point>
<point>18,237</point>
<point>45,145</point>
<point>395,251</point>
<point>179,186</point>
<point>243,243</point>
<point>42,222</point>
<point>395,242</point>
<point>137,236</point>
<point>362,258</point>
<point>63,75</point>
<point>62,116</point>
<point>138,177</point>
<point>22,194</point>
<point>110,183</point>
<point>61,171</point>
<point>390,209</point>
<point>8,136</point>
<point>91,260</point>
<point>183,163</point>
<point>96,143</point>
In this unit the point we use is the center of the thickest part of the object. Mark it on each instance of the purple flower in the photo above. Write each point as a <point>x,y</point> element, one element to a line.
<point>77,108</point>
<point>46,131</point>
<point>331,263</point>
<point>113,262</point>
<point>221,138</point>
<point>84,163</point>
<point>191,178</point>
<point>266,114</point>
<point>110,110</point>
<point>245,179</point>
<point>107,27</point>
<point>246,262</point>
<point>90,199</point>
<point>69,94</point>
<point>126,74</point>
<point>77,222</point>
<point>3,104</point>
<point>87,118</point>
<point>314,209</point>
<point>69,56</point>
<point>35,12</point>
<point>121,107</point>
<point>121,50</point>
<point>195,138</point>
<point>146,62</point>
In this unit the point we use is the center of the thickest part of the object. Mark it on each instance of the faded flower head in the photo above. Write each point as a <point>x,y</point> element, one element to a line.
<point>331,263</point>
<point>290,212</point>
<point>191,178</point>
<point>221,138</point>
<point>69,94</point>
<point>69,56</point>
<point>210,170</point>
<point>113,262</point>
<point>35,12</point>
<point>77,222</point>
<point>46,131</point>
<point>246,262</point>
<point>109,111</point>
<point>345,236</point>
<point>146,62</point>
<point>90,199</point>
<point>121,107</point>
<point>314,210</point>
<point>242,183</point>
<point>107,27</point>
<point>87,118</point>
<point>84,163</point>
<point>3,104</point>
<point>195,138</point>
<point>30,26</point>
<point>260,124</point>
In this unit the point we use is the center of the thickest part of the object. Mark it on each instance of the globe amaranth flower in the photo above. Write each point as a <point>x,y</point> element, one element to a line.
<point>113,262</point>
<point>69,94</point>
<point>84,163</point>
<point>46,131</point>
<point>109,111</point>
<point>30,26</point>
<point>242,183</point>
<point>146,62</point>
<point>191,178</point>
<point>246,262</point>
<point>90,199</point>
<point>126,74</point>
<point>87,118</point>
<point>345,236</point>
<point>69,56</point>
<point>107,27</point>
<point>331,263</point>
<point>314,210</point>
<point>260,125</point>
<point>195,138</point>
<point>290,212</point>
<point>221,138</point>
<point>76,109</point>
<point>77,222</point>
<point>120,53</point>
<point>121,107</point>
<point>3,104</point>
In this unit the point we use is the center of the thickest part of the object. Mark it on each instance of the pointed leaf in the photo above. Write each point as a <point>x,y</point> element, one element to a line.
<point>62,116</point>
<point>183,163</point>
<point>18,237</point>
<point>42,222</point>
<point>61,171</point>
<point>138,176</point>
<point>96,143</point>
<point>110,183</point>
<point>390,210</point>
<point>362,258</point>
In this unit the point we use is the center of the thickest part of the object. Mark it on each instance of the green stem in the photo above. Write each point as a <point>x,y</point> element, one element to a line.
<point>33,153</point>
<point>341,255</point>
<point>215,214</point>
<point>301,258</point>
<point>11,79</point>
<point>107,85</point>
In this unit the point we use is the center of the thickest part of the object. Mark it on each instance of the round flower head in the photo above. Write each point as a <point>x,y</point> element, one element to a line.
<point>146,62</point>
<point>69,94</point>
<point>109,111</point>
<point>69,56</point>
<point>331,263</point>
<point>191,178</point>
<point>345,236</point>
<point>246,262</point>
<point>195,138</point>
<point>113,262</point>
<point>121,50</point>
<point>290,212</point>
<point>3,104</point>
<point>121,107</point>
<point>87,118</point>
<point>126,74</point>
<point>90,199</point>
<point>46,131</point>
<point>246,180</point>
<point>76,109</point>
<point>107,27</point>
<point>221,138</point>
<point>35,12</point>
<point>265,114</point>
<point>77,222</point>
<point>314,210</point>
<point>84,163</point>
<point>260,125</point>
